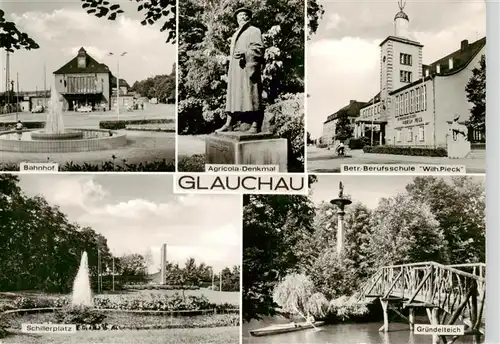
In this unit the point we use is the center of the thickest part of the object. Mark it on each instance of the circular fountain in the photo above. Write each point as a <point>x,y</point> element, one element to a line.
<point>55,138</point>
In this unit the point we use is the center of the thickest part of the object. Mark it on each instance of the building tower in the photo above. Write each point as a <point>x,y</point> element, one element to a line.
<point>400,59</point>
<point>401,22</point>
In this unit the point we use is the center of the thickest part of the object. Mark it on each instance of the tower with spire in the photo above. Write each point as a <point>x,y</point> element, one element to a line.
<point>400,58</point>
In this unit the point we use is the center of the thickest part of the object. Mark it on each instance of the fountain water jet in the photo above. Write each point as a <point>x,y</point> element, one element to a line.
<point>82,294</point>
<point>54,124</point>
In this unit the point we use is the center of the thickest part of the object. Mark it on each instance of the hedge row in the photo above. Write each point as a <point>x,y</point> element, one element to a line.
<point>26,125</point>
<point>122,124</point>
<point>151,302</point>
<point>118,166</point>
<point>431,152</point>
<point>160,287</point>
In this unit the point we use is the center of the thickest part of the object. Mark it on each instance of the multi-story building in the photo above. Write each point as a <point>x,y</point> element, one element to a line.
<point>417,102</point>
<point>84,81</point>
<point>330,125</point>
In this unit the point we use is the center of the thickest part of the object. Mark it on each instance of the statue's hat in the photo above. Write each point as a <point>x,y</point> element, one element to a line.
<point>243,9</point>
<point>456,117</point>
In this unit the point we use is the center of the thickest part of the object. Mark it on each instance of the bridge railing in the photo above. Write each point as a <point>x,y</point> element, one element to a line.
<point>458,288</point>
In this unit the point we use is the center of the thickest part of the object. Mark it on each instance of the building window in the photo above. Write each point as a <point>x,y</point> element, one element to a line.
<point>397,106</point>
<point>421,133</point>
<point>406,103</point>
<point>405,76</point>
<point>412,94</point>
<point>405,59</point>
<point>401,102</point>
<point>410,134</point>
<point>398,135</point>
<point>424,98</point>
<point>417,102</point>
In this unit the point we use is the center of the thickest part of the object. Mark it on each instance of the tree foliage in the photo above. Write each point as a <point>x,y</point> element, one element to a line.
<point>11,39</point>
<point>273,227</point>
<point>205,29</point>
<point>476,94</point>
<point>434,219</point>
<point>343,127</point>
<point>161,87</point>
<point>154,11</point>
<point>41,248</point>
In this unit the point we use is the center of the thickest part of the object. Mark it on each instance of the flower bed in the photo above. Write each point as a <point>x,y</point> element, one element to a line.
<point>150,302</point>
<point>160,287</point>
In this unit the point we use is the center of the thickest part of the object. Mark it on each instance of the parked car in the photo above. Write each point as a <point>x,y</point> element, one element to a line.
<point>84,109</point>
<point>37,109</point>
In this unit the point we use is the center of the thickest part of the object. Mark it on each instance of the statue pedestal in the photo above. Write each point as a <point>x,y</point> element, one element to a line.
<point>240,148</point>
<point>457,149</point>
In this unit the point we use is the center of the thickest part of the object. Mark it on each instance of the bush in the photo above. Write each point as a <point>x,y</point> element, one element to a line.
<point>4,324</point>
<point>344,308</point>
<point>79,315</point>
<point>27,125</point>
<point>321,145</point>
<point>122,124</point>
<point>193,163</point>
<point>398,150</point>
<point>358,143</point>
<point>190,117</point>
<point>286,120</point>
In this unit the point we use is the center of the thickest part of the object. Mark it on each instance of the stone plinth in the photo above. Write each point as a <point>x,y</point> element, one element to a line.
<point>240,148</point>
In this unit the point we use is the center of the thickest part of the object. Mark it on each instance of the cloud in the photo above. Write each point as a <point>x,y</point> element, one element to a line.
<point>334,20</point>
<point>81,191</point>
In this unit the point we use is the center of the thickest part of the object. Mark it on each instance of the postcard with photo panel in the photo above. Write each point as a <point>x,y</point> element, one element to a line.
<point>366,259</point>
<point>241,86</point>
<point>398,83</point>
<point>100,258</point>
<point>87,85</point>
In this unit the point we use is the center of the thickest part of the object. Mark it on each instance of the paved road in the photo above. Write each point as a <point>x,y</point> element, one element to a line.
<point>323,160</point>
<point>92,119</point>
<point>142,146</point>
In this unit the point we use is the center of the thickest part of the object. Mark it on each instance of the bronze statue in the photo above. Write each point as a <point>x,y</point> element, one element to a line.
<point>458,129</point>
<point>341,190</point>
<point>244,81</point>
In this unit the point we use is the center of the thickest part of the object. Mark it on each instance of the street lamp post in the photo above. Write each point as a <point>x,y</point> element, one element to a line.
<point>118,82</point>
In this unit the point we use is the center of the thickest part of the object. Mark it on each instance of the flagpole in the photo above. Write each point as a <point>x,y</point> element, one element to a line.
<point>113,273</point>
<point>220,282</point>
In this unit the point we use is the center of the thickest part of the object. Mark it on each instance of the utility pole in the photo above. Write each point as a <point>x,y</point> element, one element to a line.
<point>98,271</point>
<point>44,79</point>
<point>7,78</point>
<point>113,273</point>
<point>17,97</point>
<point>118,82</point>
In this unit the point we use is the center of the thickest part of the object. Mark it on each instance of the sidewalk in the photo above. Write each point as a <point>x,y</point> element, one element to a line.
<point>323,160</point>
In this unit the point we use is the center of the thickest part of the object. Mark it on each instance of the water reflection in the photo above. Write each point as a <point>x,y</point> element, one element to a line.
<point>344,334</point>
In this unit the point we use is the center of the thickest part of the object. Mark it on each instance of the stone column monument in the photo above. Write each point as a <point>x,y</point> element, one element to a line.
<point>341,203</point>
<point>163,273</point>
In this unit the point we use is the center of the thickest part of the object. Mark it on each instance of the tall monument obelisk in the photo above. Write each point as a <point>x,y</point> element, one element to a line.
<point>341,203</point>
<point>163,273</point>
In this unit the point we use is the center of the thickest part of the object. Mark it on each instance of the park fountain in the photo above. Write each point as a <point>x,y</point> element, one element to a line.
<point>56,138</point>
<point>82,295</point>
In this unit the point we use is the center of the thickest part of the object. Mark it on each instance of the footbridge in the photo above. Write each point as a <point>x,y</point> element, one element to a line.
<point>450,294</point>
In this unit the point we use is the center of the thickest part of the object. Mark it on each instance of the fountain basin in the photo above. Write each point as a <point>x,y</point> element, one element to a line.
<point>87,140</point>
<point>69,135</point>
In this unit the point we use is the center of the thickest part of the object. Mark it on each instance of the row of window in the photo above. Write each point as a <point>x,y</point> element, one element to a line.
<point>411,101</point>
<point>411,134</point>
<point>371,111</point>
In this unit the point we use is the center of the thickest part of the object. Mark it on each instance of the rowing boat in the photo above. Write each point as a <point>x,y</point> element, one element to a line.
<point>283,328</point>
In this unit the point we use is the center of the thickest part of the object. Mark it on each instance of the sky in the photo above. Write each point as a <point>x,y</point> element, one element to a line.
<point>138,213</point>
<point>62,27</point>
<point>367,189</point>
<point>343,56</point>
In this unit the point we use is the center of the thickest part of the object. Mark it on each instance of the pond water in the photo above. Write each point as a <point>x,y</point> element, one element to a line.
<point>366,333</point>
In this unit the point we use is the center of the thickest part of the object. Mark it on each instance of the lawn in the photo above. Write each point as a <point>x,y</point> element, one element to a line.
<point>219,335</point>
